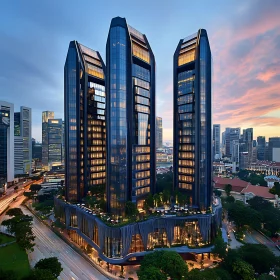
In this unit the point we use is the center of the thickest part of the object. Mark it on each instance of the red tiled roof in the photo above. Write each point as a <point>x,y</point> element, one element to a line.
<point>237,184</point>
<point>258,191</point>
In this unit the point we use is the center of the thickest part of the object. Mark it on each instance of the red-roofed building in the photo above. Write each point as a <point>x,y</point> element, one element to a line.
<point>243,191</point>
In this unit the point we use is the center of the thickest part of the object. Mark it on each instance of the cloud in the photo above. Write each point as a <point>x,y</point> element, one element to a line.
<point>247,68</point>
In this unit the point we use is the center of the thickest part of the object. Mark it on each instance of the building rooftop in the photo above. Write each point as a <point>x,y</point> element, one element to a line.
<point>258,191</point>
<point>237,184</point>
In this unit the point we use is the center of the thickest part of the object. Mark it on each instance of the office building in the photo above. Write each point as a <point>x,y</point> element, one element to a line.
<point>247,139</point>
<point>192,127</point>
<point>84,111</point>
<point>130,99</point>
<point>217,141</point>
<point>23,141</point>
<point>55,139</point>
<point>6,143</point>
<point>36,150</point>
<point>231,134</point>
<point>274,149</point>
<point>46,116</point>
<point>261,147</point>
<point>235,151</point>
<point>131,149</point>
<point>158,132</point>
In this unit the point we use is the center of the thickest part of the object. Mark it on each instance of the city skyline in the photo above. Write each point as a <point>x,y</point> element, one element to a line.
<point>244,48</point>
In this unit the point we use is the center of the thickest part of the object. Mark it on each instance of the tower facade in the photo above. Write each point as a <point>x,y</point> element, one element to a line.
<point>130,87</point>
<point>217,141</point>
<point>84,115</point>
<point>46,116</point>
<point>192,127</point>
<point>158,132</point>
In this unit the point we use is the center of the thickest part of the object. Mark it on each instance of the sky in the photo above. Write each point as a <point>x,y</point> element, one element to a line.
<point>244,39</point>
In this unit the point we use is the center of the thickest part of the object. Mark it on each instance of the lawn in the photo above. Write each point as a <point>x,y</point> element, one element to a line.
<point>12,257</point>
<point>5,239</point>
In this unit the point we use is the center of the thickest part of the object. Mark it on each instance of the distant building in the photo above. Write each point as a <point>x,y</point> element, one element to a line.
<point>55,139</point>
<point>247,139</point>
<point>261,147</point>
<point>217,141</point>
<point>274,149</point>
<point>36,150</point>
<point>6,143</point>
<point>244,160</point>
<point>46,116</point>
<point>23,141</point>
<point>231,134</point>
<point>158,132</point>
<point>235,151</point>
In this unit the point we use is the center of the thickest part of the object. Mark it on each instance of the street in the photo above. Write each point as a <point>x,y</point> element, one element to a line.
<point>48,244</point>
<point>255,237</point>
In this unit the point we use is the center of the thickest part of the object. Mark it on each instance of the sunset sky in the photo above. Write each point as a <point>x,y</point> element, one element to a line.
<point>244,38</point>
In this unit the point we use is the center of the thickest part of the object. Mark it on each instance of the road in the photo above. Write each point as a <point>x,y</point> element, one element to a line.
<point>48,244</point>
<point>255,237</point>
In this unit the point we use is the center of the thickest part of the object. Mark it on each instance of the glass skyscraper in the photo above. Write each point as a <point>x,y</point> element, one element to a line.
<point>192,119</point>
<point>46,116</point>
<point>158,132</point>
<point>85,132</point>
<point>130,87</point>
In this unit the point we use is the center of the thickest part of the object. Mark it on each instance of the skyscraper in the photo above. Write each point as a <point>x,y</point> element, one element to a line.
<point>130,99</point>
<point>23,141</point>
<point>158,132</point>
<point>85,135</point>
<point>217,140</point>
<point>192,119</point>
<point>55,137</point>
<point>261,147</point>
<point>231,134</point>
<point>248,140</point>
<point>46,116</point>
<point>274,149</point>
<point>6,142</point>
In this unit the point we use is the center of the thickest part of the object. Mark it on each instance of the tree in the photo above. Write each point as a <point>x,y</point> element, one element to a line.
<point>35,188</point>
<point>149,201</point>
<point>275,189</point>
<point>51,264</point>
<point>244,270</point>
<point>220,247</point>
<point>166,196</point>
<point>8,275</point>
<point>14,212</point>
<point>228,189</point>
<point>157,201</point>
<point>21,226</point>
<point>169,263</point>
<point>15,188</point>
<point>259,256</point>
<point>217,192</point>
<point>230,199</point>
<point>150,272</point>
<point>243,216</point>
<point>41,274</point>
<point>130,209</point>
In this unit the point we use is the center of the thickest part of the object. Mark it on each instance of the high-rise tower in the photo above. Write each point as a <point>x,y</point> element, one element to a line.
<point>192,119</point>
<point>217,141</point>
<point>84,111</point>
<point>130,87</point>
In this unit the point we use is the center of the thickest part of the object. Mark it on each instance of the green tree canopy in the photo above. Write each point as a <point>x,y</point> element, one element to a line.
<point>130,209</point>
<point>259,256</point>
<point>244,270</point>
<point>51,264</point>
<point>228,189</point>
<point>149,201</point>
<point>41,274</point>
<point>220,247</point>
<point>169,263</point>
<point>35,187</point>
<point>151,272</point>
<point>14,212</point>
<point>21,226</point>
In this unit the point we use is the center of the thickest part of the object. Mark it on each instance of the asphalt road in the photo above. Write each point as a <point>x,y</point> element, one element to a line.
<point>48,244</point>
<point>255,237</point>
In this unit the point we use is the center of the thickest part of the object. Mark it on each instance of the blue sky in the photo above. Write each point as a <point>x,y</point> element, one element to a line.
<point>35,36</point>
